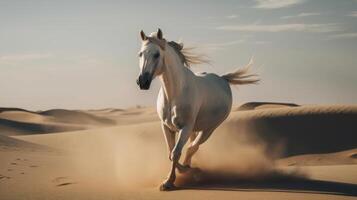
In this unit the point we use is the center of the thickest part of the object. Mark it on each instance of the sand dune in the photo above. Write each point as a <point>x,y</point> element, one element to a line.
<point>262,105</point>
<point>14,121</point>
<point>10,144</point>
<point>282,151</point>
<point>300,130</point>
<point>128,116</point>
<point>341,157</point>
<point>76,117</point>
<point>15,109</point>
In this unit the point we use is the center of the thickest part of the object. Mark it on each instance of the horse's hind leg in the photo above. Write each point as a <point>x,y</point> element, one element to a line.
<point>195,143</point>
<point>189,153</point>
<point>191,150</point>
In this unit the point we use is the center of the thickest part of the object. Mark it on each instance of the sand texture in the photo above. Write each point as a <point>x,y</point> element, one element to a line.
<point>262,151</point>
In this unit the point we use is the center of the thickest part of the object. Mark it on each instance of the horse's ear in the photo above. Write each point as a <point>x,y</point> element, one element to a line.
<point>180,45</point>
<point>159,34</point>
<point>142,35</point>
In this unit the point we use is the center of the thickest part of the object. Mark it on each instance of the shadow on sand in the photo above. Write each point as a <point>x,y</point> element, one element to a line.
<point>274,182</point>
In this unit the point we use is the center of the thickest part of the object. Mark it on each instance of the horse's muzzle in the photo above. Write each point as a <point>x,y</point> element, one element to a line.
<point>144,81</point>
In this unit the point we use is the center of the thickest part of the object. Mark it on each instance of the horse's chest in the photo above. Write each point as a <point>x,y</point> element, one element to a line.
<point>174,114</point>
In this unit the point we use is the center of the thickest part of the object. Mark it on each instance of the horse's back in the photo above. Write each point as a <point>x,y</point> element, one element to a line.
<point>214,86</point>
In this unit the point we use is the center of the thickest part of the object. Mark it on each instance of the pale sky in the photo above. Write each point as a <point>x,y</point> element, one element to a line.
<point>83,54</point>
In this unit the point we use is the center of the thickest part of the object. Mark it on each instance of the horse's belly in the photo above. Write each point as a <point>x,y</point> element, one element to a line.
<point>211,118</point>
<point>212,114</point>
<point>216,106</point>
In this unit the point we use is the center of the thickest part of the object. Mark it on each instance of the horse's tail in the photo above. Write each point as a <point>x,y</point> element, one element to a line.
<point>242,76</point>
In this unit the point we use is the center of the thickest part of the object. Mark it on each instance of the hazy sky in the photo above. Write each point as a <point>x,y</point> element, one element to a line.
<point>83,54</point>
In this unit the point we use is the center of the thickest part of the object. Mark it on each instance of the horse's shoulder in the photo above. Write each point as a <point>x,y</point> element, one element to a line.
<point>161,104</point>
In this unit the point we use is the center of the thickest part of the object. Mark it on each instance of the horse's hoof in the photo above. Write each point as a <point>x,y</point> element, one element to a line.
<point>167,186</point>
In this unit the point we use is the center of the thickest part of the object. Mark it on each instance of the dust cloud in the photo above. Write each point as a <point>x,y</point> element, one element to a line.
<point>137,157</point>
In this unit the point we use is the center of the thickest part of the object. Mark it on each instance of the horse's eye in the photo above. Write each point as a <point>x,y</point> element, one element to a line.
<point>140,54</point>
<point>156,55</point>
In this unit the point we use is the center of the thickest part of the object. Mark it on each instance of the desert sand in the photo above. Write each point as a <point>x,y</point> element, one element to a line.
<point>262,151</point>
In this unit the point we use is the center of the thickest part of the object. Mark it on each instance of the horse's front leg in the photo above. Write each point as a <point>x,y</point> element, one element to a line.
<point>169,138</point>
<point>184,135</point>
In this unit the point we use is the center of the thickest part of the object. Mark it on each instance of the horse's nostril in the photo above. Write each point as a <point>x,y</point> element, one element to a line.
<point>144,80</point>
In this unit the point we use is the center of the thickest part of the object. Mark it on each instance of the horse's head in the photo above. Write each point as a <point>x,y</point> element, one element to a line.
<point>150,58</point>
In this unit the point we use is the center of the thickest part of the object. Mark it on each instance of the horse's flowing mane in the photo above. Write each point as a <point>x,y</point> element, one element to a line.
<point>186,55</point>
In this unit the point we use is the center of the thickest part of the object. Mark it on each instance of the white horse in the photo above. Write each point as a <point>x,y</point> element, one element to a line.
<point>189,104</point>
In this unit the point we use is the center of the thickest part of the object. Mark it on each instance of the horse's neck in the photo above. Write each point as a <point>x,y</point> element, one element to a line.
<point>174,76</point>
